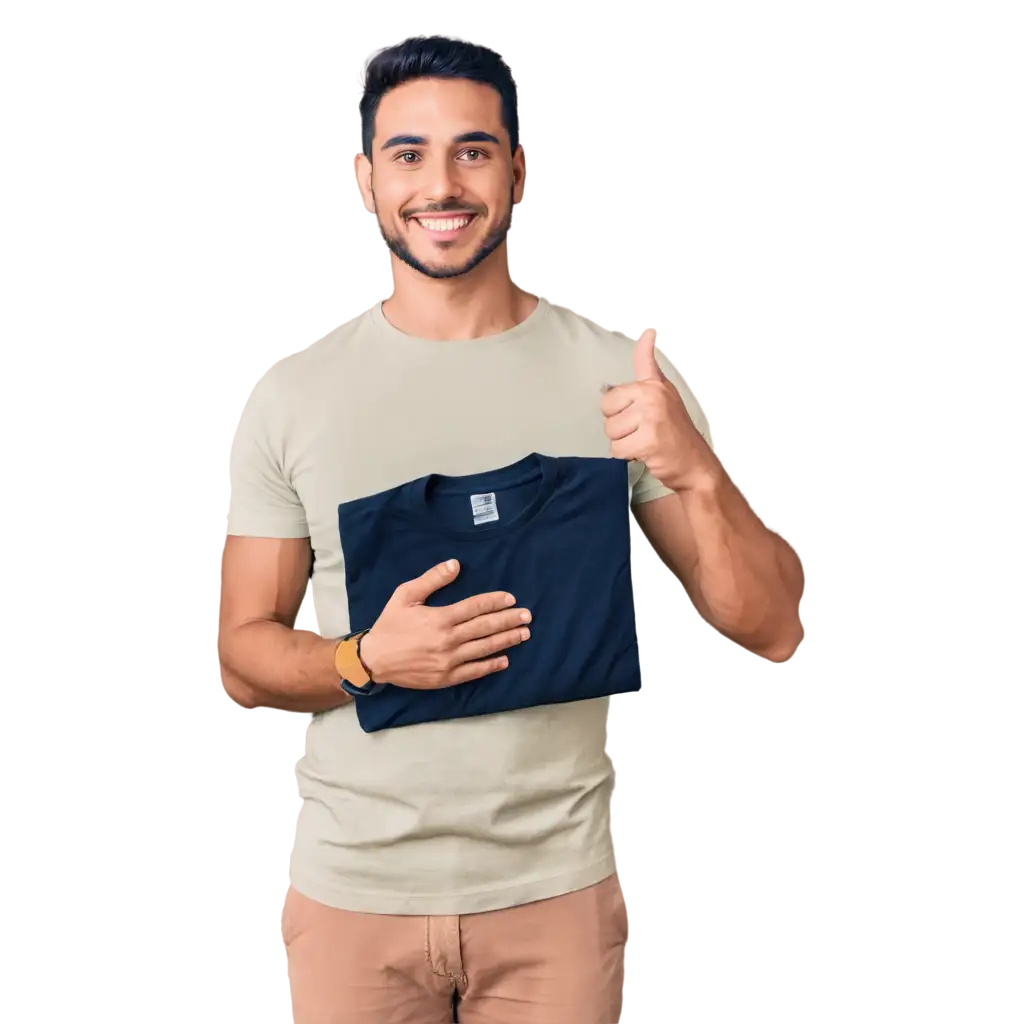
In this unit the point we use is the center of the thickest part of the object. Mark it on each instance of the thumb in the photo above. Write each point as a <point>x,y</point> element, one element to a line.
<point>645,366</point>
<point>416,591</point>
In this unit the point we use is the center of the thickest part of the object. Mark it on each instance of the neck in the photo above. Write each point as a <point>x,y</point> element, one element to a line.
<point>479,304</point>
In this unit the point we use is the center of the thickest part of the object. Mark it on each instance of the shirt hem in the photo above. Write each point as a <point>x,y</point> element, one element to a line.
<point>450,904</point>
<point>639,497</point>
<point>276,531</point>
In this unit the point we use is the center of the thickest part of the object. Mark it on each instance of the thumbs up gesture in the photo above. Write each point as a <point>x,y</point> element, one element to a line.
<point>647,421</point>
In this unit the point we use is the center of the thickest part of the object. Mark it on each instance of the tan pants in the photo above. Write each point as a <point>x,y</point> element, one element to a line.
<point>554,961</point>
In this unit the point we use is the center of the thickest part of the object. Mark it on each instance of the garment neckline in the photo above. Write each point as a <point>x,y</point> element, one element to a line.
<point>395,336</point>
<point>416,503</point>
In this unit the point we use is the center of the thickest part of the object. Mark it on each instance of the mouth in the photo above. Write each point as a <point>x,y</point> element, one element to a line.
<point>445,227</point>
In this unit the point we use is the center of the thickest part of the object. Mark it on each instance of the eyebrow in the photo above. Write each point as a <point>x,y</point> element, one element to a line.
<point>420,140</point>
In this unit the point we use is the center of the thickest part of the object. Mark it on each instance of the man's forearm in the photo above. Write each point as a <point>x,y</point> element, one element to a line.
<point>267,664</point>
<point>749,581</point>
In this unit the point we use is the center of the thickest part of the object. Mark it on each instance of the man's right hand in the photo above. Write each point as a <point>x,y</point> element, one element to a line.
<point>426,648</point>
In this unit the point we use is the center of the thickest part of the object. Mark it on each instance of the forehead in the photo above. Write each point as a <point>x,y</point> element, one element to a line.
<point>438,108</point>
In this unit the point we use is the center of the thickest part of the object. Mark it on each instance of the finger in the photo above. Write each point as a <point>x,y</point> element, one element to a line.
<point>490,645</point>
<point>417,590</point>
<point>645,366</point>
<point>618,398</point>
<point>628,449</point>
<point>487,625</point>
<point>478,604</point>
<point>622,425</point>
<point>476,669</point>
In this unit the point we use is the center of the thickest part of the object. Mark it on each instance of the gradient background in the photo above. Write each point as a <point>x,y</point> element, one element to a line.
<point>174,209</point>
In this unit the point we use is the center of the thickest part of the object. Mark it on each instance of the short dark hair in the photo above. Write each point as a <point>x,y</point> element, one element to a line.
<point>436,57</point>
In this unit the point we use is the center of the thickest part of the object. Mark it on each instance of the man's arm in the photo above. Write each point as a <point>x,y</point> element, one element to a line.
<point>264,660</point>
<point>742,578</point>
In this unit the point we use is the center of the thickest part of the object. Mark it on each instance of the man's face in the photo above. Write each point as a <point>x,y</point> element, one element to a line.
<point>443,181</point>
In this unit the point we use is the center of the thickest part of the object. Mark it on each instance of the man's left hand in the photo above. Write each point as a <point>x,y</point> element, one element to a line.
<point>647,421</point>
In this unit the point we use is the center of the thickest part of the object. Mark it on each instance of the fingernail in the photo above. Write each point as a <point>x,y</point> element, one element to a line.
<point>509,599</point>
<point>525,615</point>
<point>524,633</point>
<point>450,565</point>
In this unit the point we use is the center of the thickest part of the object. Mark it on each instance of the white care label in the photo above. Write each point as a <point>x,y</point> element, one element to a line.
<point>485,508</point>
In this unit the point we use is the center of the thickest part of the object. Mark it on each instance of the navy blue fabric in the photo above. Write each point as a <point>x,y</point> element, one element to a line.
<point>560,545</point>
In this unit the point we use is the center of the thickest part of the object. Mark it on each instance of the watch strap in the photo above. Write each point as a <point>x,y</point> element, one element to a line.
<point>355,677</point>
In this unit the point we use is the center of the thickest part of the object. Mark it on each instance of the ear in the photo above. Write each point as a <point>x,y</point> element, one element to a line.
<point>364,179</point>
<point>518,175</point>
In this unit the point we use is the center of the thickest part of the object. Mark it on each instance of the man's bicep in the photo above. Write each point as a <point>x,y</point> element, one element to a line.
<point>263,579</point>
<point>666,532</point>
<point>663,522</point>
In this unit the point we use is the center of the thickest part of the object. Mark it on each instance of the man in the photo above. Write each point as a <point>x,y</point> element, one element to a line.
<point>466,863</point>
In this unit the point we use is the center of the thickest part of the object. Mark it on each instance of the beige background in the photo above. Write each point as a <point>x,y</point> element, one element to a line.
<point>173,210</point>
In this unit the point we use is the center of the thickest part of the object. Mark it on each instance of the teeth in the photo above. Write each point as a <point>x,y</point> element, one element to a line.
<point>444,225</point>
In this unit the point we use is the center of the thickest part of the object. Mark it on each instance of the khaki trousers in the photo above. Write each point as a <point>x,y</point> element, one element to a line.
<point>553,961</point>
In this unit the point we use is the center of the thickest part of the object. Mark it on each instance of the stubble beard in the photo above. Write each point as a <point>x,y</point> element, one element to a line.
<point>491,241</point>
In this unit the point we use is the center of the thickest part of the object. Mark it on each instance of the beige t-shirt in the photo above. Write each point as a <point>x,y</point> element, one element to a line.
<point>472,814</point>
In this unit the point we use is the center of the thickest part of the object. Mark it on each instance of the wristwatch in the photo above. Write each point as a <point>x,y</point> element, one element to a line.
<point>355,676</point>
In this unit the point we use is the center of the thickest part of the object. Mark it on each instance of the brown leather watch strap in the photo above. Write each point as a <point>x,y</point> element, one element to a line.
<point>347,662</point>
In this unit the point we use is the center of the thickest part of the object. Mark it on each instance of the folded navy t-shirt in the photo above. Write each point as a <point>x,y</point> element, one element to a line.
<point>554,532</point>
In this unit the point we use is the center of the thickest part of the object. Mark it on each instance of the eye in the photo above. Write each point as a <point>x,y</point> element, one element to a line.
<point>478,152</point>
<point>408,152</point>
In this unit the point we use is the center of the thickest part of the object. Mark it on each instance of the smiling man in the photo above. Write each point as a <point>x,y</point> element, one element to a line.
<point>463,866</point>
<point>446,224</point>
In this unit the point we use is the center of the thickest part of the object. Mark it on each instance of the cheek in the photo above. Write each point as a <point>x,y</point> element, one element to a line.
<point>496,195</point>
<point>391,198</point>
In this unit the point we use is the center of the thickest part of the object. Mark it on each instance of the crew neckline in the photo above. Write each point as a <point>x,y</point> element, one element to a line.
<point>416,505</point>
<point>381,323</point>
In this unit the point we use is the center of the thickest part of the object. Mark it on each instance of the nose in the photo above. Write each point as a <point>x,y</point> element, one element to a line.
<point>441,181</point>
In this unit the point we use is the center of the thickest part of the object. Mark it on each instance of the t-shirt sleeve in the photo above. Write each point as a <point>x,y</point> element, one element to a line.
<point>648,486</point>
<point>263,501</point>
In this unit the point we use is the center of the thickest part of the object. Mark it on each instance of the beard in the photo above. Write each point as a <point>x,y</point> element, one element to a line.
<point>490,242</point>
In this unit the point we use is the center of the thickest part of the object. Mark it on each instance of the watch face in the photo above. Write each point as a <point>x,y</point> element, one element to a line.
<point>347,664</point>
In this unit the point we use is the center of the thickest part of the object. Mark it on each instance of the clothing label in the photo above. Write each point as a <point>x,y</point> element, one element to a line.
<point>485,508</point>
